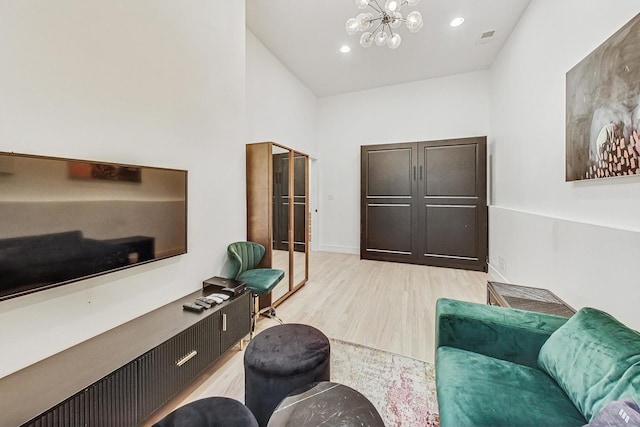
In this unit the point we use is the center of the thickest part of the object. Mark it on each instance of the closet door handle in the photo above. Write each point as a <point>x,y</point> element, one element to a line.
<point>414,173</point>
<point>420,172</point>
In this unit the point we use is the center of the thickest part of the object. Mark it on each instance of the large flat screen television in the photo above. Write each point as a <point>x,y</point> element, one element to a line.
<point>64,220</point>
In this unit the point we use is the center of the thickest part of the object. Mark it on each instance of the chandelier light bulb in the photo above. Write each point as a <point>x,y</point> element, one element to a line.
<point>364,21</point>
<point>366,39</point>
<point>414,21</point>
<point>362,4</point>
<point>352,26</point>
<point>413,2</point>
<point>394,41</point>
<point>392,6</point>
<point>381,38</point>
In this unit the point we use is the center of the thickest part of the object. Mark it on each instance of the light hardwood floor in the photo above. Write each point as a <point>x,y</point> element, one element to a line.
<point>384,305</point>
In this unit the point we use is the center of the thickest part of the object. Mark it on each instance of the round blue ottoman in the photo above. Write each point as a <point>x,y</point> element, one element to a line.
<point>280,360</point>
<point>210,412</point>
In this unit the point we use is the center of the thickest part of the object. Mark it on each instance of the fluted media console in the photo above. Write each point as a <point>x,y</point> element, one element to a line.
<point>123,375</point>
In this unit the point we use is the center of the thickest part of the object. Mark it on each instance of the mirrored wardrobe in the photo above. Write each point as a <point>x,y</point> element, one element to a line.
<point>278,212</point>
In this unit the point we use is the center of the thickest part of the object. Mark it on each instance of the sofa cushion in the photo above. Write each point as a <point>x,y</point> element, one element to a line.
<point>478,390</point>
<point>503,333</point>
<point>261,280</point>
<point>595,359</point>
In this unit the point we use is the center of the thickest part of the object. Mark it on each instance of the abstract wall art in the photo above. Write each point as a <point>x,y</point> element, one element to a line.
<point>603,109</point>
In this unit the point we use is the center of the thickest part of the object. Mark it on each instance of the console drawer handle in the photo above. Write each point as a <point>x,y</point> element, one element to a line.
<point>224,322</point>
<point>186,358</point>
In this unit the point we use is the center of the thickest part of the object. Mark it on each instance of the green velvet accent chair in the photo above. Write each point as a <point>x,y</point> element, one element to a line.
<point>244,258</point>
<point>499,366</point>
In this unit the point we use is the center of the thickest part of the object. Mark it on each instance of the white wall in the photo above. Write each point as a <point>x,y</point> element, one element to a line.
<point>281,109</point>
<point>548,232</point>
<point>442,108</point>
<point>157,83</point>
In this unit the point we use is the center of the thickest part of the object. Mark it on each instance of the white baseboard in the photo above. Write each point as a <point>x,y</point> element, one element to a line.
<point>495,275</point>
<point>340,249</point>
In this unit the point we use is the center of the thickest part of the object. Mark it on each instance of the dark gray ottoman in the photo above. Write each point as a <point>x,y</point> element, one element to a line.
<point>210,412</point>
<point>280,360</point>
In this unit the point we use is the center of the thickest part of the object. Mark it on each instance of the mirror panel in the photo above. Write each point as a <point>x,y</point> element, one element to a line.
<point>299,267</point>
<point>280,226</point>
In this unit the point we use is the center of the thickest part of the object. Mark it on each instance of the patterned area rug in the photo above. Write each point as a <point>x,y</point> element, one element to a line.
<point>401,388</point>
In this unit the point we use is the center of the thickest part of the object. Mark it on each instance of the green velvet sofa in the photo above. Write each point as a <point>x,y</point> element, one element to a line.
<point>497,366</point>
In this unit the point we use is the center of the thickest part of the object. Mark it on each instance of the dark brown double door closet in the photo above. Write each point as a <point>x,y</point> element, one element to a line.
<point>425,203</point>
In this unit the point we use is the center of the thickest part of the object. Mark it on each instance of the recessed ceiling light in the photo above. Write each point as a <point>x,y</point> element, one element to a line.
<point>345,49</point>
<point>457,22</point>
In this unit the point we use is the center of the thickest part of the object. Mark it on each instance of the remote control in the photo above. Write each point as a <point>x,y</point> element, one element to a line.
<point>192,307</point>
<point>224,297</point>
<point>202,302</point>
<point>214,299</point>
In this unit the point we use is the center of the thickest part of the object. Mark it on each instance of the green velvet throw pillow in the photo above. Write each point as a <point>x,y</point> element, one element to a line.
<point>595,359</point>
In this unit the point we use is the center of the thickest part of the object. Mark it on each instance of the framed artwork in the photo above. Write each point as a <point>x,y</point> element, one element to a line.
<point>603,109</point>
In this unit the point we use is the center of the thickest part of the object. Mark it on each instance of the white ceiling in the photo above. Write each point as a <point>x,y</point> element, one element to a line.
<point>305,36</point>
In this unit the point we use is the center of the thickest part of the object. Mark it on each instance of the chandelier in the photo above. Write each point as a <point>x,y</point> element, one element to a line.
<point>383,21</point>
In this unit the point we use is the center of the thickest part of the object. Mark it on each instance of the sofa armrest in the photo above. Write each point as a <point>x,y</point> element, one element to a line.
<point>503,333</point>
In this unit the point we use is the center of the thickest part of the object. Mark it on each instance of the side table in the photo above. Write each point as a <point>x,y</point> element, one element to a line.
<point>325,404</point>
<point>527,298</point>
